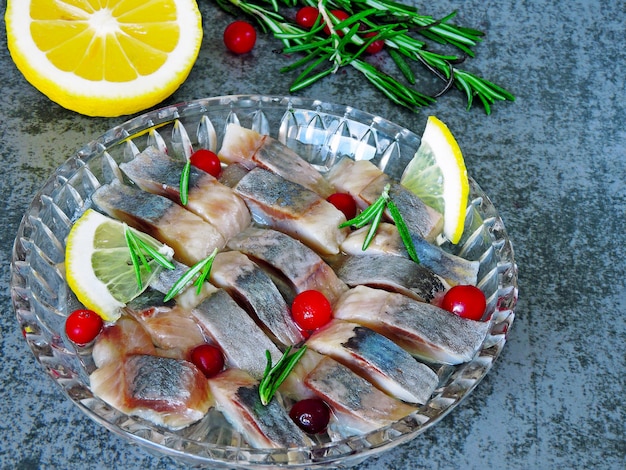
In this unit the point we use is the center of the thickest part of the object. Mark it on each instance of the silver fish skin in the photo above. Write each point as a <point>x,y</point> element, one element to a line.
<point>425,330</point>
<point>237,397</point>
<point>302,267</point>
<point>453,269</point>
<point>290,208</point>
<point>192,238</point>
<point>124,337</point>
<point>253,289</point>
<point>251,149</point>
<point>158,173</point>
<point>392,273</point>
<point>376,358</point>
<point>240,338</point>
<point>293,386</point>
<point>361,407</point>
<point>366,182</point>
<point>168,392</point>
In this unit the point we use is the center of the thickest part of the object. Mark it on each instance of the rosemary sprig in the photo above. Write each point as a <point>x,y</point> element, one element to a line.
<point>373,214</point>
<point>386,20</point>
<point>139,251</point>
<point>184,183</point>
<point>274,376</point>
<point>202,267</point>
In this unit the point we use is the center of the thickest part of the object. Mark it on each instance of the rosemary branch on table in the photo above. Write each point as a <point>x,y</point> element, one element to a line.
<point>372,20</point>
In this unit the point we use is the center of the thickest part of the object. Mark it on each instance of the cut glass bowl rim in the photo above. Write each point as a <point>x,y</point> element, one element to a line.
<point>40,308</point>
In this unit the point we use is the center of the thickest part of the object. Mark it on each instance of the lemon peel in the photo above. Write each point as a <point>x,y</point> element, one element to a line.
<point>437,174</point>
<point>104,60</point>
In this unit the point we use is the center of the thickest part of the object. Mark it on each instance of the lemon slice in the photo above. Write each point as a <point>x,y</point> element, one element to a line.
<point>437,174</point>
<point>98,265</point>
<point>104,58</point>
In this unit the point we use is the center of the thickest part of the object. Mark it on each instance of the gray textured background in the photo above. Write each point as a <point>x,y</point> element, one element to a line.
<point>553,162</point>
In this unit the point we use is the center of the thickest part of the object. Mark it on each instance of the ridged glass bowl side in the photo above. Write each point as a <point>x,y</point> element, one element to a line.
<point>321,133</point>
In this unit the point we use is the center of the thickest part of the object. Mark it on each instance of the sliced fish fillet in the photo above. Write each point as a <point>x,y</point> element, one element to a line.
<point>237,397</point>
<point>156,172</point>
<point>242,341</point>
<point>116,341</point>
<point>280,204</point>
<point>299,264</point>
<point>249,148</point>
<point>192,238</point>
<point>376,358</point>
<point>253,289</point>
<point>425,330</point>
<point>168,392</point>
<point>361,406</point>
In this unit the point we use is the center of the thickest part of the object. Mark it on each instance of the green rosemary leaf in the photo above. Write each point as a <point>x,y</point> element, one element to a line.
<point>187,278</point>
<point>184,183</point>
<point>402,65</point>
<point>366,215</point>
<point>403,230</point>
<point>154,254</point>
<point>204,273</point>
<point>373,228</point>
<point>134,258</point>
<point>276,375</point>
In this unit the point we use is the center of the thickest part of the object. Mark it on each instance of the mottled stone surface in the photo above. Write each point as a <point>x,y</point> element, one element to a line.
<point>553,162</point>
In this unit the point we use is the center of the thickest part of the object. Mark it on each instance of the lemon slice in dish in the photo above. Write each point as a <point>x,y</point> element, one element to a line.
<point>438,176</point>
<point>104,58</point>
<point>98,265</point>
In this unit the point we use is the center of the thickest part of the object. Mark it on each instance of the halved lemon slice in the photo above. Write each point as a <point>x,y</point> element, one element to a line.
<point>98,265</point>
<point>104,57</point>
<point>437,174</point>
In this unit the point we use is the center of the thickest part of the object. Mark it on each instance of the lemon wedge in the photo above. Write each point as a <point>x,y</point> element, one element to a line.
<point>98,265</point>
<point>438,176</point>
<point>104,58</point>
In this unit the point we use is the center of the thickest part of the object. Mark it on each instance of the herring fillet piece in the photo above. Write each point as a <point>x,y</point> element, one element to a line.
<point>298,263</point>
<point>164,220</point>
<point>425,330</point>
<point>376,358</point>
<point>158,173</point>
<point>249,285</point>
<point>171,328</point>
<point>242,341</point>
<point>250,149</point>
<point>392,273</point>
<point>123,338</point>
<point>291,208</point>
<point>365,182</point>
<point>237,397</point>
<point>168,392</point>
<point>361,406</point>
<point>452,268</point>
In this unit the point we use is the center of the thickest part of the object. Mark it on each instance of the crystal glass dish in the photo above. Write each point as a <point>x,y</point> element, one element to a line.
<point>321,133</point>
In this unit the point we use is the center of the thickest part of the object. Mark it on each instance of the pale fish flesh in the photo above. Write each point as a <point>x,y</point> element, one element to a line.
<point>392,273</point>
<point>116,341</point>
<point>293,386</point>
<point>361,406</point>
<point>253,289</point>
<point>293,209</point>
<point>355,178</point>
<point>250,149</point>
<point>303,268</point>
<point>242,341</point>
<point>171,328</point>
<point>237,397</point>
<point>452,268</point>
<point>425,330</point>
<point>168,392</point>
<point>158,173</point>
<point>376,358</point>
<point>192,238</point>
